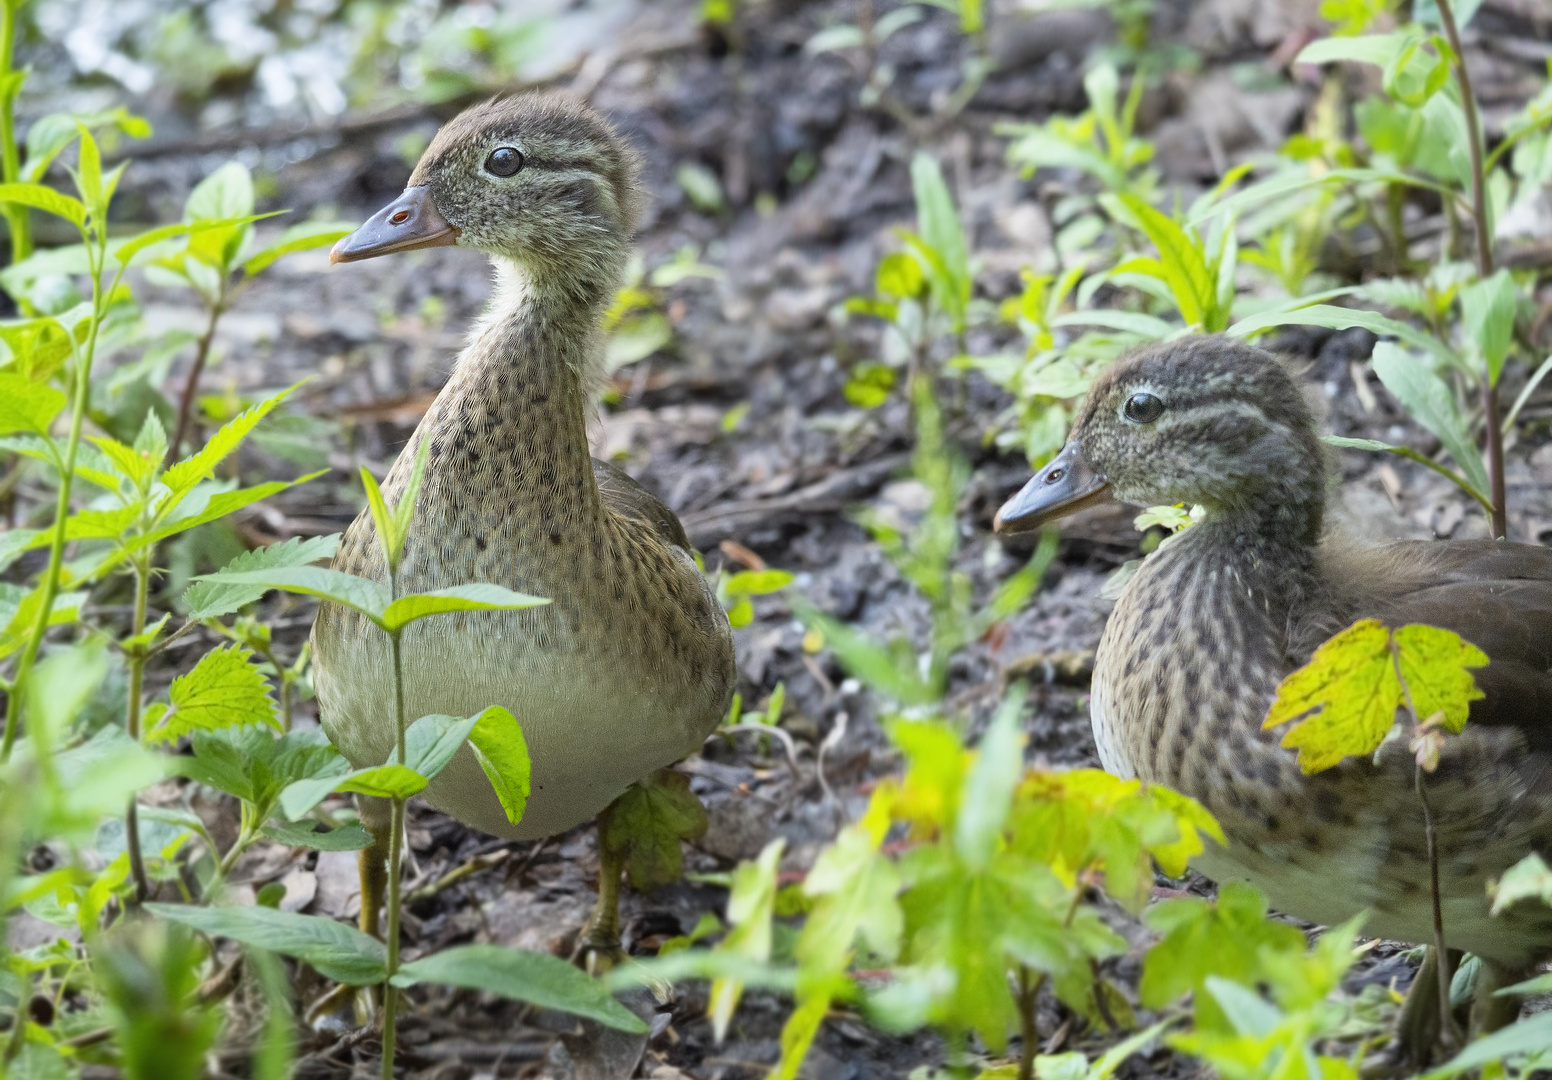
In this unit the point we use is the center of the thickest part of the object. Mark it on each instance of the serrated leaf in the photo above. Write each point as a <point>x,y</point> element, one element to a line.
<point>336,950</point>
<point>477,597</point>
<point>1351,686</point>
<point>647,823</point>
<point>26,405</point>
<point>307,834</point>
<point>181,477</point>
<point>225,689</point>
<point>208,599</point>
<point>499,747</point>
<point>357,593</point>
<point>218,507</point>
<point>521,975</point>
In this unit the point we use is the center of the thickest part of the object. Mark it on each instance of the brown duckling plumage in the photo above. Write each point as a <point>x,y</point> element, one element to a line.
<point>1201,636</point>
<point>632,665</point>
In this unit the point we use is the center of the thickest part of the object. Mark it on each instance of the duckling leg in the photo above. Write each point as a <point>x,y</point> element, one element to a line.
<point>372,862</point>
<point>601,936</point>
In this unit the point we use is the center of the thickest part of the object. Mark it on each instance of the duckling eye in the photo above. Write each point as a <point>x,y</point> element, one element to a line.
<point>504,161</point>
<point>1142,408</point>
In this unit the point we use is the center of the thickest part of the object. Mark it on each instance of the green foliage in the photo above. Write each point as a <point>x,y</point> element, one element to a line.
<point>645,825</point>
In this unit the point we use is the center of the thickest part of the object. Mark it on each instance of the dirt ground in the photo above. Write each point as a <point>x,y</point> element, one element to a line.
<point>378,340</point>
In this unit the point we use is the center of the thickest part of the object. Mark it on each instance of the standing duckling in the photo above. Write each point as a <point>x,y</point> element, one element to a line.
<point>631,666</point>
<point>1212,622</point>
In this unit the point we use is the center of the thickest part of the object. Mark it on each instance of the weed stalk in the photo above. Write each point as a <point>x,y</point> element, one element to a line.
<point>1493,435</point>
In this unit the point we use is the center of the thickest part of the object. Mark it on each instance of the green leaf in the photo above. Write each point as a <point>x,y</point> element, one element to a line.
<point>1431,402</point>
<point>899,277</point>
<point>989,787</point>
<point>757,582</point>
<point>938,224</point>
<point>225,193</point>
<point>1487,311</point>
<point>521,975</point>
<point>478,597</point>
<point>856,891</point>
<point>1411,455</point>
<point>26,405</point>
<point>404,509</point>
<point>1341,318</point>
<point>388,536</point>
<point>219,506</point>
<point>389,781</point>
<point>252,764</point>
<point>336,950</point>
<point>1528,879</point>
<point>301,237</point>
<point>208,599</point>
<point>1528,1036</point>
<point>1202,940</point>
<point>646,824</point>
<point>431,742</point>
<point>225,689</point>
<point>751,904</point>
<point>357,593</point>
<point>47,199</point>
<point>1185,266</point>
<point>182,477</point>
<point>1377,49</point>
<point>307,834</point>
<point>1351,687</point>
<point>498,745</point>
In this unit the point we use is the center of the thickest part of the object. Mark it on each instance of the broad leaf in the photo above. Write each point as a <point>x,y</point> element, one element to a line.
<point>307,834</point>
<point>521,975</point>
<point>1352,688</point>
<point>26,405</point>
<point>1487,312</point>
<point>225,689</point>
<point>1528,879</point>
<point>498,745</point>
<point>751,904</point>
<point>647,823</point>
<point>478,597</point>
<point>301,237</point>
<point>431,742</point>
<point>337,950</point>
<point>47,199</point>
<point>182,477</point>
<point>208,599</point>
<point>1528,1036</point>
<point>357,593</point>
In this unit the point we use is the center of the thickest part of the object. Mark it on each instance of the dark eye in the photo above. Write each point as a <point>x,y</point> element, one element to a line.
<point>504,161</point>
<point>1142,408</point>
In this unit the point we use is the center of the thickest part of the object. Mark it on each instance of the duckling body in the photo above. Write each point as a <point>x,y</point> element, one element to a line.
<point>1213,621</point>
<point>631,665</point>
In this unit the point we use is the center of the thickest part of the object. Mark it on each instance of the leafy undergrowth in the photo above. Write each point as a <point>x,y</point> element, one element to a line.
<point>1000,906</point>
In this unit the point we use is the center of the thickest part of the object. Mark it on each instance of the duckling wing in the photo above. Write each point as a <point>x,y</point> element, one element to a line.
<point>629,499</point>
<point>1496,595</point>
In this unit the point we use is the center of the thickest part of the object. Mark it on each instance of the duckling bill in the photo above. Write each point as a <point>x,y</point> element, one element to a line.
<point>631,665</point>
<point>1211,623</point>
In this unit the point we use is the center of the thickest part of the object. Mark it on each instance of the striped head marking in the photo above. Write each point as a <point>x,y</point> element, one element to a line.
<point>539,179</point>
<point>1203,419</point>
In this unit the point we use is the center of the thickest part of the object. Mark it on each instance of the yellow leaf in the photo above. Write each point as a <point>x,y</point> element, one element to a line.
<point>1435,665</point>
<point>1350,685</point>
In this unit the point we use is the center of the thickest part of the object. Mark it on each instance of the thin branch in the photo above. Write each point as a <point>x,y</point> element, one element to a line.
<point>191,387</point>
<point>1493,434</point>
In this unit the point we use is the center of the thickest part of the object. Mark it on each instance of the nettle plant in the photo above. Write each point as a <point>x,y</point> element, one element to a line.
<point>139,887</point>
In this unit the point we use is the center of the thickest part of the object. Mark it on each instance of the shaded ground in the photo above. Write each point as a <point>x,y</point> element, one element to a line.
<point>378,339</point>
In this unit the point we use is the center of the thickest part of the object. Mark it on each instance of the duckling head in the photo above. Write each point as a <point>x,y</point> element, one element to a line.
<point>1203,420</point>
<point>538,180</point>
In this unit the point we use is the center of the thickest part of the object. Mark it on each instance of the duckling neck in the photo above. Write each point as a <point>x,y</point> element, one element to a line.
<point>517,397</point>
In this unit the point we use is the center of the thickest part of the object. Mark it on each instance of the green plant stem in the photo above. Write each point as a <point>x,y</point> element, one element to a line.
<point>1492,436</point>
<point>191,387</point>
<point>137,661</point>
<point>16,217</point>
<point>82,388</point>
<point>1029,1034</point>
<point>390,991</point>
<point>1446,1021</point>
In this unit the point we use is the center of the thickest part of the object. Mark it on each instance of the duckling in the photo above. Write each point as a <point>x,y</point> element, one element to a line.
<point>1211,623</point>
<point>631,666</point>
